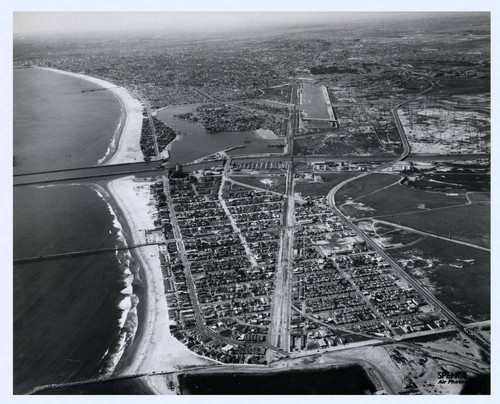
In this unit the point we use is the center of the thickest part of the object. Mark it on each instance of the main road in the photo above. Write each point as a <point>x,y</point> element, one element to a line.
<point>279,327</point>
<point>477,338</point>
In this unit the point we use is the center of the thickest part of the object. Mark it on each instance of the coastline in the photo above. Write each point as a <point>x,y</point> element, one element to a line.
<point>125,144</point>
<point>154,348</point>
<point>151,347</point>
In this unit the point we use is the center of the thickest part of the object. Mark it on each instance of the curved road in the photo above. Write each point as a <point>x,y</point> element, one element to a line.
<point>478,339</point>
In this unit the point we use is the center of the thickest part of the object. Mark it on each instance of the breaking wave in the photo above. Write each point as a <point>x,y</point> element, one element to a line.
<point>127,301</point>
<point>113,143</point>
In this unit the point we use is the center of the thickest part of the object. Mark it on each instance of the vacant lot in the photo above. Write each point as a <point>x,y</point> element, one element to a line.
<point>458,275</point>
<point>375,196</point>
<point>337,144</point>
<point>447,215</point>
<point>469,223</point>
<point>480,196</point>
<point>398,199</point>
<point>322,188</point>
<point>274,183</point>
<point>387,236</point>
<point>364,186</point>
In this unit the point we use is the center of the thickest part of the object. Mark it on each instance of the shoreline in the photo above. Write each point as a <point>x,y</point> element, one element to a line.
<point>124,146</point>
<point>153,348</point>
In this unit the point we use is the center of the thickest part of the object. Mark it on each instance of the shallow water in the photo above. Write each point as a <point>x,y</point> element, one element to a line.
<point>195,143</point>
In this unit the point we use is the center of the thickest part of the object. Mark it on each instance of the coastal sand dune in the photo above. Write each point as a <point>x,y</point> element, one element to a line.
<point>156,350</point>
<point>125,145</point>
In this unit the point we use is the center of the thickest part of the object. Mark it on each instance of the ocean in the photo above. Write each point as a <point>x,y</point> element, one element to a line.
<point>72,316</point>
<point>56,126</point>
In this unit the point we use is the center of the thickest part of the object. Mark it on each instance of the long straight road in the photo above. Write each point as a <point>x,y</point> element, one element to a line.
<point>279,327</point>
<point>476,337</point>
<point>425,233</point>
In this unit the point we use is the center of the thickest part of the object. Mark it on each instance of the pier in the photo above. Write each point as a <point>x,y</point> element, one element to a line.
<point>83,253</point>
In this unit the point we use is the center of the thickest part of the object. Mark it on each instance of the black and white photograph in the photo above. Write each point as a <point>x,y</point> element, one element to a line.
<point>249,202</point>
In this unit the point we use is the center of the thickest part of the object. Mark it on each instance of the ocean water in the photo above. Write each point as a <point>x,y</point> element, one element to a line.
<point>72,316</point>
<point>56,126</point>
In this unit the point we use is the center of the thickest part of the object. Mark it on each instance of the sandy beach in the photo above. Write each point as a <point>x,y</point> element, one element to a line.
<point>124,147</point>
<point>155,349</point>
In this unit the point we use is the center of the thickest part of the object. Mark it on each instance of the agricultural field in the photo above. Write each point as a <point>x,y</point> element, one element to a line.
<point>451,182</point>
<point>458,275</point>
<point>460,216</point>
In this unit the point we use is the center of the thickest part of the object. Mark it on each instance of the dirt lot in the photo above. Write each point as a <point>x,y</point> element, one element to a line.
<point>274,183</point>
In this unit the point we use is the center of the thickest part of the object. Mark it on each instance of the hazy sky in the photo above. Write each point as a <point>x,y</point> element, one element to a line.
<point>71,22</point>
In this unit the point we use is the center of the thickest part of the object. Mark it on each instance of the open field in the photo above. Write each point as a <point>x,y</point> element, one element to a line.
<point>469,223</point>
<point>364,186</point>
<point>402,199</point>
<point>322,144</point>
<point>480,196</point>
<point>452,215</point>
<point>276,183</point>
<point>463,85</point>
<point>458,275</point>
<point>455,182</point>
<point>321,188</point>
<point>279,93</point>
